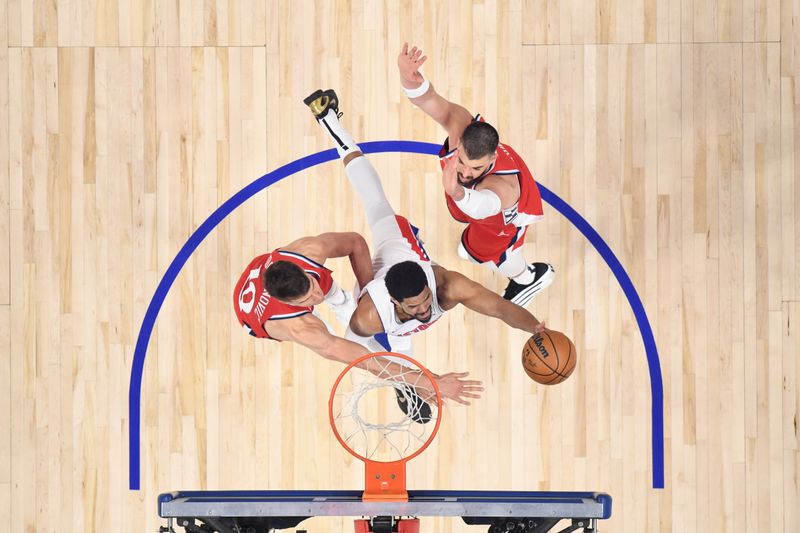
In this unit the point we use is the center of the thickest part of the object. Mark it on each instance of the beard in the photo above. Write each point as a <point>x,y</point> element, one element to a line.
<point>468,183</point>
<point>426,317</point>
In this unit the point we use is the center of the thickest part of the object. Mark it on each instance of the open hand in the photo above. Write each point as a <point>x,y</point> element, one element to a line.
<point>409,62</point>
<point>450,178</point>
<point>454,387</point>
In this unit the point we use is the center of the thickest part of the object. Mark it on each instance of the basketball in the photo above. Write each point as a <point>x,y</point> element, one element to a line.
<point>549,357</point>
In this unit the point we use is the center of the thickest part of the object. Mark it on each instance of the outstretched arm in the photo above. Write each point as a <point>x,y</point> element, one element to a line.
<point>346,244</point>
<point>311,332</point>
<point>451,116</point>
<point>461,289</point>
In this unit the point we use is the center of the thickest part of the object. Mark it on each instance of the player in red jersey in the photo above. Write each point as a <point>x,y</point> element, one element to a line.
<point>487,186</point>
<point>275,296</point>
<point>290,281</point>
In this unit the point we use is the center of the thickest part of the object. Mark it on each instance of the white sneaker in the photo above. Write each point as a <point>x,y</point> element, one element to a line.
<point>544,274</point>
<point>344,310</point>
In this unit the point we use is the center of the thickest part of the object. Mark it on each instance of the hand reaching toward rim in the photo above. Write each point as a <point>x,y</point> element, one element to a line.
<point>454,387</point>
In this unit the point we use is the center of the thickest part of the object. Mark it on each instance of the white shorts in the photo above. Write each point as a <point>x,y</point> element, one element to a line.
<point>395,240</point>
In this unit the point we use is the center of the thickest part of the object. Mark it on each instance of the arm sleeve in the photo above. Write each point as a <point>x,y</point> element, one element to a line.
<point>479,204</point>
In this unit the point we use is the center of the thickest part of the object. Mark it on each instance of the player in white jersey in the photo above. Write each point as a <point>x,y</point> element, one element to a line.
<point>409,292</point>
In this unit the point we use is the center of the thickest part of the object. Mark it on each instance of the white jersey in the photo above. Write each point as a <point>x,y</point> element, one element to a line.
<point>386,310</point>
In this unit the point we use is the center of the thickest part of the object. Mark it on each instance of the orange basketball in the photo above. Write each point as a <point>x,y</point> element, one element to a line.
<point>549,357</point>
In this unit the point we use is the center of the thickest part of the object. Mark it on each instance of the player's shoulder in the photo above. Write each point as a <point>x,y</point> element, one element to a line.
<point>508,160</point>
<point>366,320</point>
<point>447,278</point>
<point>505,186</point>
<point>450,285</point>
<point>292,329</point>
<point>497,182</point>
<point>310,250</point>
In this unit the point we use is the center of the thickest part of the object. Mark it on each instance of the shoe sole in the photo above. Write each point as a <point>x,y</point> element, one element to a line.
<point>526,295</point>
<point>417,417</point>
<point>319,109</point>
<point>313,96</point>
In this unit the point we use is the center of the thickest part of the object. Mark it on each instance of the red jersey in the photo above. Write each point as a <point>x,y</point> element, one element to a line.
<point>254,305</point>
<point>526,211</point>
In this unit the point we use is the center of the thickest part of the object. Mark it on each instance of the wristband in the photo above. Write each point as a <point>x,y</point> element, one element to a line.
<point>419,91</point>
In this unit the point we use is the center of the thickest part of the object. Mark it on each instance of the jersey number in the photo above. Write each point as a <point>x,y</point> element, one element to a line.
<point>247,298</point>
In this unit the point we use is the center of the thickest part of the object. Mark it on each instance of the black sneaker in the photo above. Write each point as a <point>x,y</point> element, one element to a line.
<point>321,101</point>
<point>420,410</point>
<point>544,274</point>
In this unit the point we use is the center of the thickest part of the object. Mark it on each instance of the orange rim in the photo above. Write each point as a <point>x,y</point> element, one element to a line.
<point>427,374</point>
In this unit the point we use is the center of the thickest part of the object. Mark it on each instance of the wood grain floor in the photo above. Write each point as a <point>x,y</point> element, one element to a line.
<point>672,126</point>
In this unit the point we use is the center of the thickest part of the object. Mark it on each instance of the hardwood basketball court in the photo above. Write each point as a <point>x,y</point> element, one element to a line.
<point>672,126</point>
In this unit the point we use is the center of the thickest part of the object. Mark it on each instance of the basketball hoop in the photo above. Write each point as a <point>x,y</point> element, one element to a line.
<point>397,419</point>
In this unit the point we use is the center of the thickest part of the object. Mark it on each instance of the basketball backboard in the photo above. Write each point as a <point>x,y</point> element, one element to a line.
<point>261,511</point>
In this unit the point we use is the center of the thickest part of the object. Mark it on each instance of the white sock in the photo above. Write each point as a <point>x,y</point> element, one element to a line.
<point>516,268</point>
<point>526,277</point>
<point>342,139</point>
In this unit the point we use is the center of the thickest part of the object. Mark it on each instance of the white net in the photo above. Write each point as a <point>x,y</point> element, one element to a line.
<point>386,410</point>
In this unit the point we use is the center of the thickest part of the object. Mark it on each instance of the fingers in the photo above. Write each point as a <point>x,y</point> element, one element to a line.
<point>459,376</point>
<point>462,398</point>
<point>451,163</point>
<point>414,55</point>
<point>454,387</point>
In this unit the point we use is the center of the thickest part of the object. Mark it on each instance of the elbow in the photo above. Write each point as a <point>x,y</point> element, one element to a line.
<point>360,244</point>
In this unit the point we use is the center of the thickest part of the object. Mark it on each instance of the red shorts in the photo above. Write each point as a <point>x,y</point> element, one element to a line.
<point>485,245</point>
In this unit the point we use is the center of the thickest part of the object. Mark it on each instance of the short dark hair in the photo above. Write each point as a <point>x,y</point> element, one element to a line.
<point>405,280</point>
<point>285,280</point>
<point>479,139</point>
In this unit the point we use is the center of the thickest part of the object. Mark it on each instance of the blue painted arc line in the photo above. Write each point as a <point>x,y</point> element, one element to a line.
<point>653,363</point>
<point>416,147</point>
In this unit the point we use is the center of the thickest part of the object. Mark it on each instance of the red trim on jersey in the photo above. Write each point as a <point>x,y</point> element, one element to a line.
<point>253,305</point>
<point>409,232</point>
<point>488,239</point>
